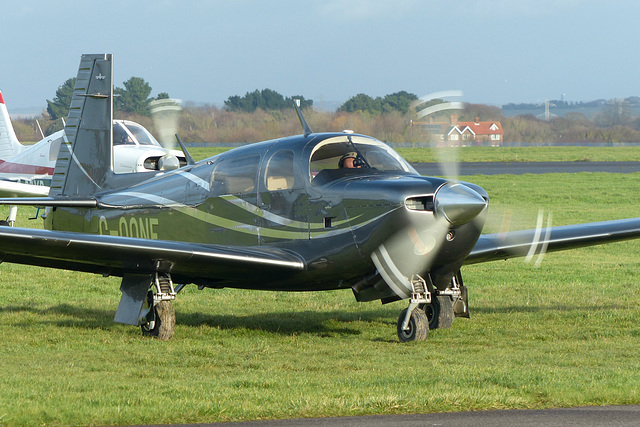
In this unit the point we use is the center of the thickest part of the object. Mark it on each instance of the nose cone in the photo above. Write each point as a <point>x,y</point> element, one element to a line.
<point>458,203</point>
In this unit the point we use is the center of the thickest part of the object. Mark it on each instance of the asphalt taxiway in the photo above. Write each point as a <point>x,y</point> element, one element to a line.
<point>520,168</point>
<point>591,416</point>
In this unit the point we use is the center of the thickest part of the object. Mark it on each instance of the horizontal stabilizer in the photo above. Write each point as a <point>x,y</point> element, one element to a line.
<point>19,189</point>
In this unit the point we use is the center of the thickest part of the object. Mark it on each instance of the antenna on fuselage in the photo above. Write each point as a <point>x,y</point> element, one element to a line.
<point>40,129</point>
<point>305,126</point>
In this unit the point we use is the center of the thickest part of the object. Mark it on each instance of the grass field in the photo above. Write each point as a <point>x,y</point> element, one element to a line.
<point>564,334</point>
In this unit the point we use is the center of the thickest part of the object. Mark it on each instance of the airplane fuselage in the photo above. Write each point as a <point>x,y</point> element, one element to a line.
<point>271,194</point>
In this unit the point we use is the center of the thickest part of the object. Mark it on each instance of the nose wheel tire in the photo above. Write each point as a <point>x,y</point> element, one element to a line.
<point>163,325</point>
<point>418,326</point>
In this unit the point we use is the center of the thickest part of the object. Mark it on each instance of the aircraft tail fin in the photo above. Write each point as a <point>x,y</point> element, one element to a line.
<point>85,159</point>
<point>9,144</point>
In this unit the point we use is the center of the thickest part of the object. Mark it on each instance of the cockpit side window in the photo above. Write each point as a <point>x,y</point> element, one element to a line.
<point>279,174</point>
<point>235,175</point>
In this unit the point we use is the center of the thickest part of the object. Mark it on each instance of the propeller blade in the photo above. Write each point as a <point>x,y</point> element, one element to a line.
<point>439,111</point>
<point>534,251</point>
<point>448,161</point>
<point>539,244</point>
<point>166,115</point>
<point>408,252</point>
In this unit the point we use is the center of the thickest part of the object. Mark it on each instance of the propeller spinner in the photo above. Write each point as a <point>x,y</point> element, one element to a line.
<point>458,203</point>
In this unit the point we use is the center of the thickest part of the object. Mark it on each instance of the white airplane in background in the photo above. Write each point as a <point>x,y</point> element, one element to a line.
<point>26,170</point>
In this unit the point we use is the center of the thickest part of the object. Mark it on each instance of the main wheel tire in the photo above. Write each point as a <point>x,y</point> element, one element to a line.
<point>164,324</point>
<point>418,326</point>
<point>440,312</point>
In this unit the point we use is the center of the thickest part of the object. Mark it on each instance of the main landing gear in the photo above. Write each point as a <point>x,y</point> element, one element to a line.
<point>158,317</point>
<point>147,301</point>
<point>431,309</point>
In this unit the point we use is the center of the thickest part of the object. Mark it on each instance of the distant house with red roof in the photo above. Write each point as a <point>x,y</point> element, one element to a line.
<point>456,133</point>
<point>475,133</point>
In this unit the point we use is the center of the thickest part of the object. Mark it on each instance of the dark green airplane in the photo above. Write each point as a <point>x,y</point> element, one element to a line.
<point>312,212</point>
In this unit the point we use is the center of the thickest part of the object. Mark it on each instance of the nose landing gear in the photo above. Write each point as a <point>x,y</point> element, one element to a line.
<point>431,308</point>
<point>413,324</point>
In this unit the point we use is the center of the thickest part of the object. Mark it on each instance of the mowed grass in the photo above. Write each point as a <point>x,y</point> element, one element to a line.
<point>564,334</point>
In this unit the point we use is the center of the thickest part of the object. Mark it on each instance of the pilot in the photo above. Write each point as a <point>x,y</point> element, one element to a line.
<point>350,161</point>
<point>120,137</point>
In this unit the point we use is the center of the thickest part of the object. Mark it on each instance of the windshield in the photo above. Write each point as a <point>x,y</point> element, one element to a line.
<point>351,155</point>
<point>129,133</point>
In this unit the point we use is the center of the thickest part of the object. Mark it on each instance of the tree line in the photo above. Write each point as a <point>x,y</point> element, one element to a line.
<point>134,99</point>
<point>266,114</point>
<point>562,104</point>
<point>265,99</point>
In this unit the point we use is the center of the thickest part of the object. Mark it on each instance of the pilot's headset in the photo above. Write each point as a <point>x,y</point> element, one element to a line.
<point>357,160</point>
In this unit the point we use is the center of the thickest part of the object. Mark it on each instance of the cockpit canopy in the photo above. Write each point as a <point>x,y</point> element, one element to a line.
<point>328,160</point>
<point>291,163</point>
<point>130,133</point>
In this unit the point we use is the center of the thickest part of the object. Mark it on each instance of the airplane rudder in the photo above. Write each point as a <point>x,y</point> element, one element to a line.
<point>85,156</point>
<point>9,144</point>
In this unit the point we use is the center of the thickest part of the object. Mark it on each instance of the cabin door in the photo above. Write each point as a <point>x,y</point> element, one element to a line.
<point>281,199</point>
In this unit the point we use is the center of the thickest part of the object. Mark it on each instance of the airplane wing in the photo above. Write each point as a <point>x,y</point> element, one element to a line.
<point>501,246</point>
<point>18,189</point>
<point>113,255</point>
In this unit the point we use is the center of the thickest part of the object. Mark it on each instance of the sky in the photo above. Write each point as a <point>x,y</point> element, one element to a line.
<point>494,51</point>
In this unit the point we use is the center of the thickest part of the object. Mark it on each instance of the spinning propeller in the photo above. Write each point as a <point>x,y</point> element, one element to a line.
<point>427,249</point>
<point>165,114</point>
<point>414,249</point>
<point>448,161</point>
